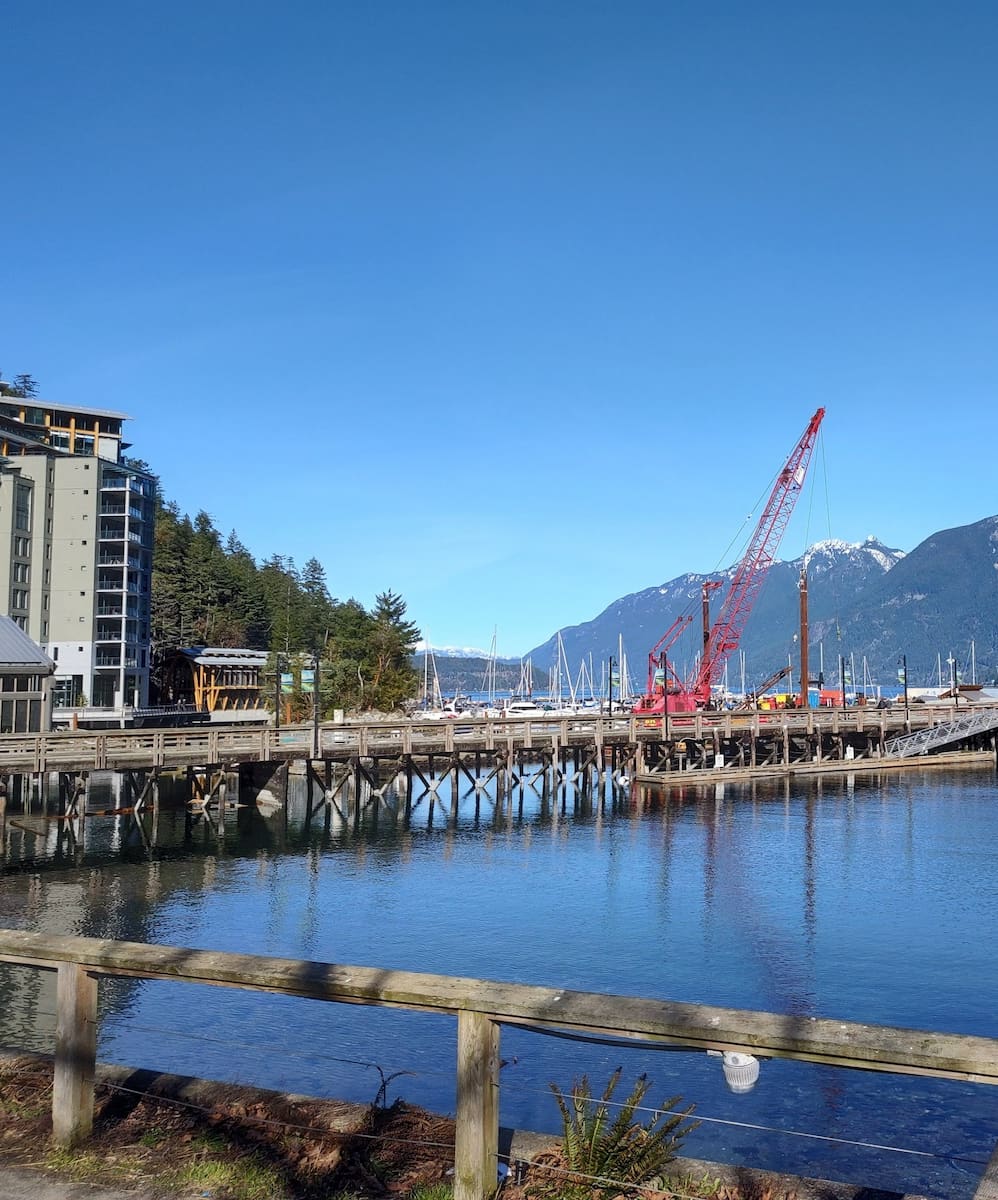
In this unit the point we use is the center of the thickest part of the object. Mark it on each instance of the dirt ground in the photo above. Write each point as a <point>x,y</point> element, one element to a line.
<point>230,1143</point>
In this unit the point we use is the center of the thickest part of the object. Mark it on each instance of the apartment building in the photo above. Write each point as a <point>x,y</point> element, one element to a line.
<point>78,525</point>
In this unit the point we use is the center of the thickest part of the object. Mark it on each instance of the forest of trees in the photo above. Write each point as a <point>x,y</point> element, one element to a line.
<point>210,591</point>
<point>206,592</point>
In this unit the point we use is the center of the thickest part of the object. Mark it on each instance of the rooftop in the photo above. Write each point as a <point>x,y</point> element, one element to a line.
<point>17,650</point>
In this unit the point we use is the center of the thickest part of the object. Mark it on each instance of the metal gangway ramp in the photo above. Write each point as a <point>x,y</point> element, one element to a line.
<point>974,721</point>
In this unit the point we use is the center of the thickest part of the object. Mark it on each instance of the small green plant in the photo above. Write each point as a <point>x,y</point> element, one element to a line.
<point>246,1179</point>
<point>600,1156</point>
<point>84,1165</point>
<point>432,1191</point>
<point>209,1141</point>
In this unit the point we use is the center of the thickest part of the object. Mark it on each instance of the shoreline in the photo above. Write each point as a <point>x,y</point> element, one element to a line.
<point>249,1108</point>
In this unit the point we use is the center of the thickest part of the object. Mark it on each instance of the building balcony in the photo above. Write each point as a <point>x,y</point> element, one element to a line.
<point>106,583</point>
<point>111,533</point>
<point>107,660</point>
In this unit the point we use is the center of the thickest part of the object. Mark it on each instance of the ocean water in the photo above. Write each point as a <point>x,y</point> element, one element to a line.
<point>866,898</point>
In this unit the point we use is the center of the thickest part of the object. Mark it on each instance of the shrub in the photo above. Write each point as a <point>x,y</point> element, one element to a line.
<point>602,1156</point>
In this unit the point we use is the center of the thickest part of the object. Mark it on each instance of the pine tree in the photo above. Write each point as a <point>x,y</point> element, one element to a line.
<point>393,641</point>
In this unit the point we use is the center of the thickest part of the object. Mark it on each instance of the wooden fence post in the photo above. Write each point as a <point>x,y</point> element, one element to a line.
<point>476,1145</point>
<point>75,1054</point>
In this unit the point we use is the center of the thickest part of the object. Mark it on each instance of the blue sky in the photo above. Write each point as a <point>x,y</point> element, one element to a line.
<point>513,307</point>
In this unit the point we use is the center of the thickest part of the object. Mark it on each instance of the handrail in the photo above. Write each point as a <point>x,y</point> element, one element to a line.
<point>38,752</point>
<point>481,1007</point>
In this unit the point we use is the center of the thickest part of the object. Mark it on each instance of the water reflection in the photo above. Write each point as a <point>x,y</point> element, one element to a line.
<point>873,899</point>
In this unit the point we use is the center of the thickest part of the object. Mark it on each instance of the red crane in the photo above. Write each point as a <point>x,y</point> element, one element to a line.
<point>722,639</point>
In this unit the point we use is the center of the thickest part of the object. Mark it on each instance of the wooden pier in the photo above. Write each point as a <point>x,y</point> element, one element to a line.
<point>349,767</point>
<point>684,741</point>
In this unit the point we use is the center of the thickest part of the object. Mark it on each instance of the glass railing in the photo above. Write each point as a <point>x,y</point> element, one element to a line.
<point>107,660</point>
<point>108,533</point>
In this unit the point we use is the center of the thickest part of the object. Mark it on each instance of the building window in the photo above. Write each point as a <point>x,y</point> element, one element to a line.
<point>59,441</point>
<point>22,508</point>
<point>84,444</point>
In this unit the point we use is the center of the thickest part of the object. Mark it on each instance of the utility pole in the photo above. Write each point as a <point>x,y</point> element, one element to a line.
<point>805,666</point>
<point>665,697</point>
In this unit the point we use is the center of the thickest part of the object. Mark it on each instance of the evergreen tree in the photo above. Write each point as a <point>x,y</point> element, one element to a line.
<point>249,602</point>
<point>22,386</point>
<point>392,643</point>
<point>283,596</point>
<point>209,593</point>
<point>345,669</point>
<point>317,605</point>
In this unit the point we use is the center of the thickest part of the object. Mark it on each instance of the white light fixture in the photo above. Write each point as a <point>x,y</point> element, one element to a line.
<point>741,1071</point>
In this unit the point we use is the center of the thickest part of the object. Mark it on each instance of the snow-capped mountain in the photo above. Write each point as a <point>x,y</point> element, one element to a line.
<point>865,599</point>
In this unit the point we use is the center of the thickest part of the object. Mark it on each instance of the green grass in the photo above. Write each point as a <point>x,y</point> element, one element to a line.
<point>85,1166</point>
<point>432,1191</point>
<point>244,1179</point>
<point>210,1142</point>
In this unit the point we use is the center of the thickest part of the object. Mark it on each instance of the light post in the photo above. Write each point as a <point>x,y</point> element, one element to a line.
<point>904,680</point>
<point>954,690</point>
<point>277,691</point>
<point>609,689</point>
<point>842,680</point>
<point>315,704</point>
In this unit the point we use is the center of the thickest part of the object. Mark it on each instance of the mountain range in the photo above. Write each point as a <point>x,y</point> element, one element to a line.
<point>867,602</point>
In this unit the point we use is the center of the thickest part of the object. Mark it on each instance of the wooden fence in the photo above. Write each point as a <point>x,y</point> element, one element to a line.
<point>480,1007</point>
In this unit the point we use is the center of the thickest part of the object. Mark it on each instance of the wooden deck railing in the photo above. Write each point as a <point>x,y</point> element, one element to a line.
<point>124,748</point>
<point>480,1007</point>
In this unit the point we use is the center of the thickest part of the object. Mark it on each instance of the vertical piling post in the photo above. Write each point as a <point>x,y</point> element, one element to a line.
<point>476,1145</point>
<point>75,1055</point>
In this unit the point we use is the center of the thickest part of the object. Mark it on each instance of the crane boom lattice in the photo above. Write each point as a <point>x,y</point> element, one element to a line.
<point>750,573</point>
